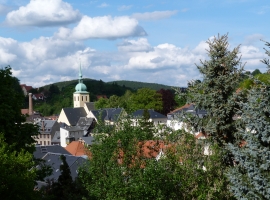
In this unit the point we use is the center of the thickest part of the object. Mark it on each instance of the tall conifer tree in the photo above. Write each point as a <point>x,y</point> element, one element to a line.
<point>221,76</point>
<point>250,178</point>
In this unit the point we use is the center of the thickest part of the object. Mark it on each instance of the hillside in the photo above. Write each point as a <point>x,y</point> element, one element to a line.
<point>137,85</point>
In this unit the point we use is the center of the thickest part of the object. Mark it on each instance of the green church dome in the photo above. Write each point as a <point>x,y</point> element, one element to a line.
<point>81,87</point>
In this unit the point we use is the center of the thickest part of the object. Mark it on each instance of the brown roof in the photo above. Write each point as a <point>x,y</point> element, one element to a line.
<point>24,111</point>
<point>76,148</point>
<point>181,108</point>
<point>101,96</point>
<point>146,149</point>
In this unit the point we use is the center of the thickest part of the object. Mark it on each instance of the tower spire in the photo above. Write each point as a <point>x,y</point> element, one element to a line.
<point>80,73</point>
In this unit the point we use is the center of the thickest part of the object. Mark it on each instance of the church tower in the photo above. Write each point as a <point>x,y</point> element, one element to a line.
<point>81,95</point>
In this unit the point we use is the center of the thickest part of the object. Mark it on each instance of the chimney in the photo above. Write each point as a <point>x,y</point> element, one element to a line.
<point>30,104</point>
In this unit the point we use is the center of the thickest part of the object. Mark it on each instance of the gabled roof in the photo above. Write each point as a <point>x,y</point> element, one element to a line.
<point>41,151</point>
<point>76,148</point>
<point>153,114</point>
<point>73,114</point>
<point>188,108</point>
<point>109,114</point>
<point>88,140</point>
<point>54,160</point>
<point>90,105</point>
<point>84,123</point>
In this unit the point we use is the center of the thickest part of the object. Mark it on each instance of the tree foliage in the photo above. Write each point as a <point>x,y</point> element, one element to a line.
<point>221,76</point>
<point>250,178</point>
<point>18,174</point>
<point>168,101</point>
<point>16,133</point>
<point>17,181</point>
<point>146,98</point>
<point>120,168</point>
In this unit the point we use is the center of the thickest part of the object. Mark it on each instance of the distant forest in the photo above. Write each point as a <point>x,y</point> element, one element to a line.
<point>60,94</point>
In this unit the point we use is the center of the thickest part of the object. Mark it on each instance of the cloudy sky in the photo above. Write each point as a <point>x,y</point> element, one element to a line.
<point>156,41</point>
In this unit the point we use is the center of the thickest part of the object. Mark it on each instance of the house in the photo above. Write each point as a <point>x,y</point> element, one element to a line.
<point>77,148</point>
<point>108,115</point>
<point>174,120</point>
<point>86,124</point>
<point>87,141</point>
<point>155,117</point>
<point>54,161</point>
<point>71,116</point>
<point>69,134</point>
<point>41,151</point>
<point>39,96</point>
<point>47,129</point>
<point>26,89</point>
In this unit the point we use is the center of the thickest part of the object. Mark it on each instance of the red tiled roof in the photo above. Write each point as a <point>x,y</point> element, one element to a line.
<point>76,148</point>
<point>24,111</point>
<point>146,149</point>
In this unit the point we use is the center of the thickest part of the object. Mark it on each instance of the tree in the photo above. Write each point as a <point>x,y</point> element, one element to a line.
<point>256,72</point>
<point>63,188</point>
<point>54,90</point>
<point>217,92</point>
<point>250,178</point>
<point>168,101</point>
<point>146,98</point>
<point>16,178</point>
<point>18,172</point>
<point>267,52</point>
<point>16,133</point>
<point>120,168</point>
<point>101,103</point>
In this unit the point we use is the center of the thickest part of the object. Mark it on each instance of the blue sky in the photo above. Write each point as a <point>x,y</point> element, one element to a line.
<point>158,41</point>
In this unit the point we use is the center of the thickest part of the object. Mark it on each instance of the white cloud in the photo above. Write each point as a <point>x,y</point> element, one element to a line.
<point>103,5</point>
<point>135,45</point>
<point>124,7</point>
<point>46,60</point>
<point>43,13</point>
<point>103,27</point>
<point>156,15</point>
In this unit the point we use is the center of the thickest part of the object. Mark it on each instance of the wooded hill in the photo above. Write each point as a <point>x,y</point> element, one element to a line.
<point>137,85</point>
<point>59,95</point>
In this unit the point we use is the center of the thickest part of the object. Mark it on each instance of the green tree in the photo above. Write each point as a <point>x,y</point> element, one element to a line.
<point>101,103</point>
<point>146,98</point>
<point>18,172</point>
<point>120,168</point>
<point>256,72</point>
<point>250,178</point>
<point>16,177</point>
<point>63,188</point>
<point>217,92</point>
<point>16,133</point>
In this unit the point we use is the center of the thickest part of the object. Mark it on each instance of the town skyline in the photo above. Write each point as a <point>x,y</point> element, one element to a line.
<point>145,41</point>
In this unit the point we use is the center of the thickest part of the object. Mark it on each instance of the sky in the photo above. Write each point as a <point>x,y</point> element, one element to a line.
<point>154,41</point>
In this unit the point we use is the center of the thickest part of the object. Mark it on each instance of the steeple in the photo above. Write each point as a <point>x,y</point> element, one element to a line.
<point>80,87</point>
<point>80,96</point>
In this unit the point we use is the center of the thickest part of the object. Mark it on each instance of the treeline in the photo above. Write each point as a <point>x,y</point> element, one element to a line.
<point>113,95</point>
<point>135,85</point>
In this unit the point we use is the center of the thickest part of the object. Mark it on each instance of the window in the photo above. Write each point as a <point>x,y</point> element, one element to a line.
<point>48,142</point>
<point>48,136</point>
<point>85,98</point>
<point>78,98</point>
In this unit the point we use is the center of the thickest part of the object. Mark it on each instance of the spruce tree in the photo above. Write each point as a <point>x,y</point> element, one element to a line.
<point>221,75</point>
<point>250,178</point>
